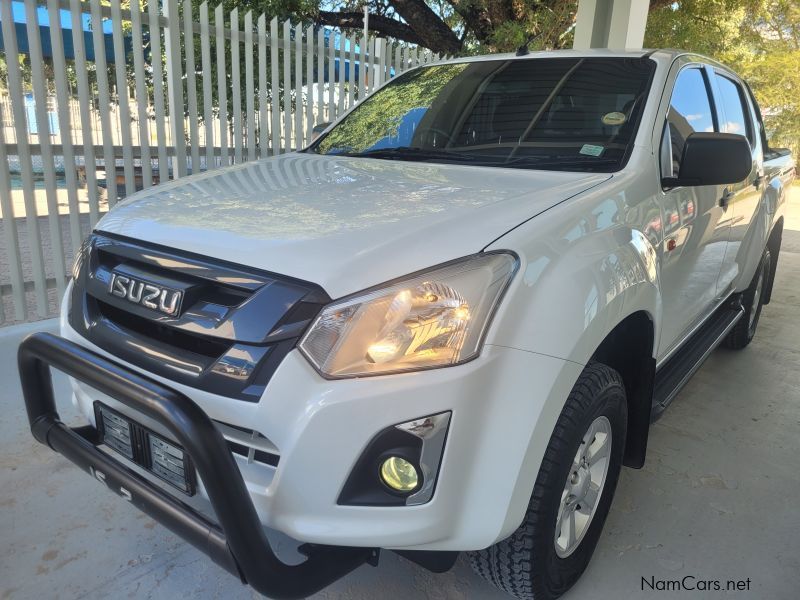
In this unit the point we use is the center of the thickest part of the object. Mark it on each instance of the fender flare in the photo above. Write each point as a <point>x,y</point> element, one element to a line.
<point>631,285</point>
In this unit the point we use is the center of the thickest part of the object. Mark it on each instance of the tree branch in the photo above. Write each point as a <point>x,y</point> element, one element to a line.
<point>477,19</point>
<point>433,31</point>
<point>657,4</point>
<point>379,24</point>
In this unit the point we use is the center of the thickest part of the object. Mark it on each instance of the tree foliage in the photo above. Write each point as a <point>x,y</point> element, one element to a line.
<point>450,27</point>
<point>759,39</point>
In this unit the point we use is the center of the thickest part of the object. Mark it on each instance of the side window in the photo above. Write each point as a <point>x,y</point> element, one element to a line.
<point>689,112</point>
<point>734,107</point>
<point>760,132</point>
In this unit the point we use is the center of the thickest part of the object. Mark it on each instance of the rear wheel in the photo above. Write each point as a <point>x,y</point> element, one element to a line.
<point>547,554</point>
<point>753,301</point>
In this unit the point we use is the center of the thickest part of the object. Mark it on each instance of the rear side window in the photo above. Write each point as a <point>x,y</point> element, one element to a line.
<point>734,108</point>
<point>689,112</point>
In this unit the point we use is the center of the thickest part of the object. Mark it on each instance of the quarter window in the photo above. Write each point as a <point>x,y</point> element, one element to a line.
<point>689,112</point>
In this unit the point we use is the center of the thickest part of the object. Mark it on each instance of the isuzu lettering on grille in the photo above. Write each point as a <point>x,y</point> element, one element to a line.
<point>149,295</point>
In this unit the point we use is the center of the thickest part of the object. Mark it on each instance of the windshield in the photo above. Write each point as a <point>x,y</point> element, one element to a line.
<point>575,114</point>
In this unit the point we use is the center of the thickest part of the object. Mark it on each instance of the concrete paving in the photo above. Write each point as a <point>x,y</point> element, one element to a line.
<point>717,499</point>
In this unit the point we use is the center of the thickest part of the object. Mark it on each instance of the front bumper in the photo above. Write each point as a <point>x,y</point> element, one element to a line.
<point>504,406</point>
<point>238,543</point>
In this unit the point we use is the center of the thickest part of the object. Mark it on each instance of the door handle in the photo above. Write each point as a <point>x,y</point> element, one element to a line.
<point>727,194</point>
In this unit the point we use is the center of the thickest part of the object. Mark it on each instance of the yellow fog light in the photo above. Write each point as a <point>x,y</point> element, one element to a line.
<point>399,474</point>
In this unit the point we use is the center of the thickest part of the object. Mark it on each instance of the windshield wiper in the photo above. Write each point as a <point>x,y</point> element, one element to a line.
<point>409,153</point>
<point>559,161</point>
<point>413,154</point>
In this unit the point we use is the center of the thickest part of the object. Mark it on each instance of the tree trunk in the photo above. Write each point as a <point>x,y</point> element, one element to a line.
<point>381,25</point>
<point>434,33</point>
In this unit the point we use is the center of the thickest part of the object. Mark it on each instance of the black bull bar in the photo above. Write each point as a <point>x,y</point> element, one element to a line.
<point>237,543</point>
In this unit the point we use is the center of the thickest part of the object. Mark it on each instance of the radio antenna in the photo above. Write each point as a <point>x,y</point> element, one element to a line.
<point>523,50</point>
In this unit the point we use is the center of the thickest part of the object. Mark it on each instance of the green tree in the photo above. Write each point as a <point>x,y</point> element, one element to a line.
<point>450,27</point>
<point>759,39</point>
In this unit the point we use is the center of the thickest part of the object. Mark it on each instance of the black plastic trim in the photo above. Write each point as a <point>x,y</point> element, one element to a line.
<point>235,327</point>
<point>364,486</point>
<point>261,456</point>
<point>435,561</point>
<point>238,542</point>
<point>676,372</point>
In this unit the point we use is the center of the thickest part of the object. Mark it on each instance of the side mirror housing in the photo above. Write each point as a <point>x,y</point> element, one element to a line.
<point>318,129</point>
<point>713,159</point>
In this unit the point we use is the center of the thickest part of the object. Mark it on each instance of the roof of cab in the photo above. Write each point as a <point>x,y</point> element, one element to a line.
<point>662,56</point>
<point>658,54</point>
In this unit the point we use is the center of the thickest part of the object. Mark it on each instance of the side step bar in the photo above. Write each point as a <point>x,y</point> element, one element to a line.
<point>677,371</point>
<point>237,543</point>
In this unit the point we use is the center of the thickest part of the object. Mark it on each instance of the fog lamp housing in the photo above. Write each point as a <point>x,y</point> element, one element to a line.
<point>400,465</point>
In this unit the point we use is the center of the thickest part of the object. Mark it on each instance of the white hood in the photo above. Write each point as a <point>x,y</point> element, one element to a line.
<point>343,223</point>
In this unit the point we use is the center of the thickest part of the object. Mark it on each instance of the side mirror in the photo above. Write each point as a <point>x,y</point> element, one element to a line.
<point>713,159</point>
<point>318,129</point>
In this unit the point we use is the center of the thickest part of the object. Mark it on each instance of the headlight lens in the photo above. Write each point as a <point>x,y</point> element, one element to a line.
<point>434,319</point>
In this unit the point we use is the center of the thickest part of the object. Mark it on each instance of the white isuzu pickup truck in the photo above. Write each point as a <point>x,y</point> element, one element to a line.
<point>443,327</point>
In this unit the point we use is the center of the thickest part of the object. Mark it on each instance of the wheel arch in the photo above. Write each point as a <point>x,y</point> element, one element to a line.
<point>774,244</point>
<point>629,349</point>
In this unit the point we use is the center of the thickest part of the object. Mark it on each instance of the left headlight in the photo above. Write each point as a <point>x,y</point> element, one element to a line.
<point>433,319</point>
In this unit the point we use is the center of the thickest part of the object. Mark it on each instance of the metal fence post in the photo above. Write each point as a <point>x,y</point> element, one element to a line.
<point>175,84</point>
<point>26,166</point>
<point>48,164</point>
<point>110,114</point>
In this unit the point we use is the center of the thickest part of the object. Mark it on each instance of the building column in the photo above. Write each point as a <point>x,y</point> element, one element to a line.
<point>610,24</point>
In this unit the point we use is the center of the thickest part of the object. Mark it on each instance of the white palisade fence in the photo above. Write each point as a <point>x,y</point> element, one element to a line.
<point>98,101</point>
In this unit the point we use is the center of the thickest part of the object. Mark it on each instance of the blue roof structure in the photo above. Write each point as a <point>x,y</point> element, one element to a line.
<point>347,68</point>
<point>23,44</point>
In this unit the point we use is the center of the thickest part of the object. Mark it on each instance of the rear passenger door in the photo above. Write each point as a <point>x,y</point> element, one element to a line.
<point>695,225</point>
<point>743,198</point>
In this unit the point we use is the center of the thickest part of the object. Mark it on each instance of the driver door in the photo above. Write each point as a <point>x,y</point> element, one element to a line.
<point>695,223</point>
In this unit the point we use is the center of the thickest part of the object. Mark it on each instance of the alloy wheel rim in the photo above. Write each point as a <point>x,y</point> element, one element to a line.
<point>584,487</point>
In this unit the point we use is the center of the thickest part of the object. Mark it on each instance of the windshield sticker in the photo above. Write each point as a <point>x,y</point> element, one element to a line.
<point>614,118</point>
<point>591,150</point>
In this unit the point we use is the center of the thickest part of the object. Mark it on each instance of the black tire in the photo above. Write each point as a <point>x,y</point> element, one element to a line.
<point>526,564</point>
<point>753,301</point>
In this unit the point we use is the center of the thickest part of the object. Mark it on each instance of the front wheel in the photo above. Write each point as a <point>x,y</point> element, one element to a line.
<point>753,301</point>
<point>547,554</point>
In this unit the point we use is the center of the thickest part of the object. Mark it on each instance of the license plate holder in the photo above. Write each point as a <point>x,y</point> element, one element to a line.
<point>163,458</point>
